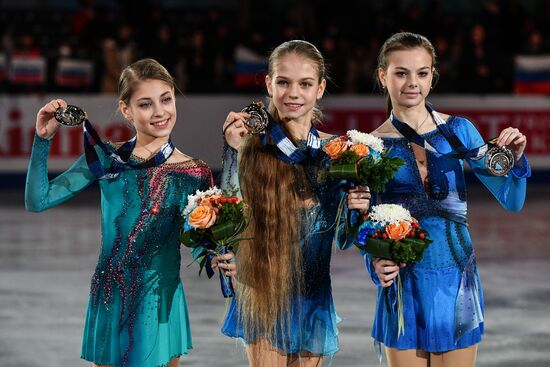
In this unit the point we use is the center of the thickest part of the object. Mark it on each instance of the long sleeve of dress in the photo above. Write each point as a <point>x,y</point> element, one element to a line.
<point>42,194</point>
<point>510,189</point>
<point>230,175</point>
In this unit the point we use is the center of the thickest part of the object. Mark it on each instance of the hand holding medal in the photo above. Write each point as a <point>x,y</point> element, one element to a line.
<point>252,119</point>
<point>512,141</point>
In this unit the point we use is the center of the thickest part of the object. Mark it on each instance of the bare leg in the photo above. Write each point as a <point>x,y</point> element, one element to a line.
<point>465,357</point>
<point>263,354</point>
<point>174,362</point>
<point>407,358</point>
<point>306,359</point>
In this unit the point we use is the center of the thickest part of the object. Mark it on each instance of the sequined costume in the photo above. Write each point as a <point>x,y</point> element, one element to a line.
<point>313,318</point>
<point>137,313</point>
<point>442,294</point>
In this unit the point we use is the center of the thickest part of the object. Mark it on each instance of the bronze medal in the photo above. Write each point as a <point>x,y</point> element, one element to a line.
<point>258,120</point>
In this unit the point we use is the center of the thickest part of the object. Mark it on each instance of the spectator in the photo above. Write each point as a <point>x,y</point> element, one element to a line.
<point>117,54</point>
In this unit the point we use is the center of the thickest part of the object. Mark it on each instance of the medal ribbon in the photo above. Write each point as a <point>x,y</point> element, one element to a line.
<point>460,151</point>
<point>119,157</point>
<point>286,150</point>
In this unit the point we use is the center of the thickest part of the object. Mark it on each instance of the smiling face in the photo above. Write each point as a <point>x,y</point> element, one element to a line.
<point>295,87</point>
<point>408,77</point>
<point>151,109</point>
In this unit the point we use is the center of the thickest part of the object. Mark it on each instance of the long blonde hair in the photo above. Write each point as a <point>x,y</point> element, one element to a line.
<point>270,265</point>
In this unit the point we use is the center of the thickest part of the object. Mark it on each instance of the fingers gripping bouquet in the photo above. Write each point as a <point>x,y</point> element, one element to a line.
<point>361,159</point>
<point>213,222</point>
<point>390,232</point>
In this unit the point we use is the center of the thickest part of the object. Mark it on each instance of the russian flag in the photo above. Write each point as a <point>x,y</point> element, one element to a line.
<point>250,68</point>
<point>74,73</point>
<point>27,70</point>
<point>532,74</point>
<point>3,67</point>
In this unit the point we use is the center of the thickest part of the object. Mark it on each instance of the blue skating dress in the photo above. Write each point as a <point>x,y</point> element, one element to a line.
<point>313,317</point>
<point>137,313</point>
<point>442,294</point>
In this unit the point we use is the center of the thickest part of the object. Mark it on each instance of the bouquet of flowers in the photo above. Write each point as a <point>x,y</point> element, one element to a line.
<point>213,222</point>
<point>391,232</point>
<point>361,158</point>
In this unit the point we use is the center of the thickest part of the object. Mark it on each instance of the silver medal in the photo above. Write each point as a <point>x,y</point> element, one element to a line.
<point>70,116</point>
<point>499,161</point>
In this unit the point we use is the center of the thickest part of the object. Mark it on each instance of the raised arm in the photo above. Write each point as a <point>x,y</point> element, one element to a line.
<point>233,131</point>
<point>40,193</point>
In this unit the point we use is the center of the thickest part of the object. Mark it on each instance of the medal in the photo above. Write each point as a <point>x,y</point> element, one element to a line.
<point>70,116</point>
<point>258,120</point>
<point>499,160</point>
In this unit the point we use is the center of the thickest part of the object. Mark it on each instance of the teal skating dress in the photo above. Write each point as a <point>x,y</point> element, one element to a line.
<point>313,319</point>
<point>442,294</point>
<point>137,313</point>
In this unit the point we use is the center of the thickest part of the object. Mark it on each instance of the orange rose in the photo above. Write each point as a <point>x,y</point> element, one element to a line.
<point>361,149</point>
<point>212,201</point>
<point>203,216</point>
<point>398,231</point>
<point>336,146</point>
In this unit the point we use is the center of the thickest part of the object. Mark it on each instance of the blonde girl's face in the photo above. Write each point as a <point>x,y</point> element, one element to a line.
<point>408,77</point>
<point>151,109</point>
<point>294,87</point>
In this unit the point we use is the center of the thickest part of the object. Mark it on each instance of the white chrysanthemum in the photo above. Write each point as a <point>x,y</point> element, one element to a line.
<point>369,140</point>
<point>192,200</point>
<point>385,214</point>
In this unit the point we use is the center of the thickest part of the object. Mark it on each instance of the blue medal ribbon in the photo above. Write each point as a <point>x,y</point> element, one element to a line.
<point>226,283</point>
<point>119,157</point>
<point>460,151</point>
<point>285,150</point>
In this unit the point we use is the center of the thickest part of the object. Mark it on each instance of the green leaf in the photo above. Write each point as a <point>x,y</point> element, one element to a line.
<point>378,247</point>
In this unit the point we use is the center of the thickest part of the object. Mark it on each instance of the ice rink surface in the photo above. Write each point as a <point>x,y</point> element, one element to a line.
<point>47,259</point>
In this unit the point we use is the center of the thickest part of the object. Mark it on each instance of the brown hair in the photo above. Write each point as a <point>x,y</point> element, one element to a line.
<point>270,265</point>
<point>404,41</point>
<point>139,71</point>
<point>306,50</point>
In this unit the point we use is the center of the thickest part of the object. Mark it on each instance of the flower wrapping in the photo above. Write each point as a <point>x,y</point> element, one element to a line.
<point>390,232</point>
<point>361,159</point>
<point>213,221</point>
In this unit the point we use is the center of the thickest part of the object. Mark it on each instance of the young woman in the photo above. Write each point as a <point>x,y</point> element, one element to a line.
<point>442,295</point>
<point>284,310</point>
<point>137,313</point>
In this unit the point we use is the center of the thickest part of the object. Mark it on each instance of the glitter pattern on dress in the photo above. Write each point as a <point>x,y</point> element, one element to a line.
<point>137,313</point>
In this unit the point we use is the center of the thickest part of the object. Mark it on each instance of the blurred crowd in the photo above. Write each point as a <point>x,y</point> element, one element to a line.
<point>83,50</point>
